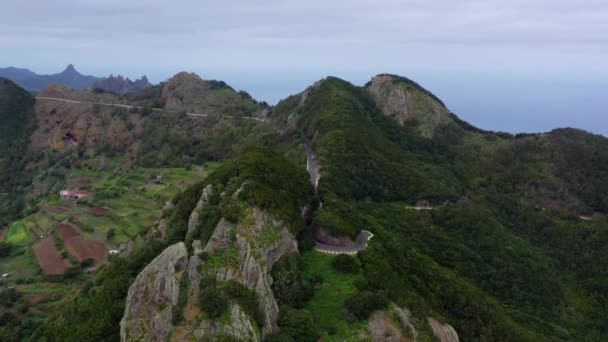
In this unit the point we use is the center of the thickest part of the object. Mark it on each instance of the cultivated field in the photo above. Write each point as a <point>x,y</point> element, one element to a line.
<point>48,256</point>
<point>80,247</point>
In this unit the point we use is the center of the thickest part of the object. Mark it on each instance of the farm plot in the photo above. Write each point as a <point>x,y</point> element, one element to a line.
<point>18,234</point>
<point>80,247</point>
<point>48,256</point>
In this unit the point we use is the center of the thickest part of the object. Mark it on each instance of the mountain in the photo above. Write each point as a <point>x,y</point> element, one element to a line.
<point>121,85</point>
<point>17,122</point>
<point>217,232</point>
<point>34,82</point>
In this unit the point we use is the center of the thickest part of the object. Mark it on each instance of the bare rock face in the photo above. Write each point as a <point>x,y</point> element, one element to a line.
<point>407,102</point>
<point>244,252</point>
<point>238,328</point>
<point>382,328</point>
<point>194,220</point>
<point>443,331</point>
<point>394,325</point>
<point>148,311</point>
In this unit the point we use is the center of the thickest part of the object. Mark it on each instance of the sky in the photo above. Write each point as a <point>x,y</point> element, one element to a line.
<point>517,65</point>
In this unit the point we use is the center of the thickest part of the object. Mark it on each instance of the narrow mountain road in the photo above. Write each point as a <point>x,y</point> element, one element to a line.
<point>312,166</point>
<point>112,105</point>
<point>359,245</point>
<point>419,208</point>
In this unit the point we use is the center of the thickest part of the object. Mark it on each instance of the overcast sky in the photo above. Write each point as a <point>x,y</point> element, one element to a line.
<point>492,61</point>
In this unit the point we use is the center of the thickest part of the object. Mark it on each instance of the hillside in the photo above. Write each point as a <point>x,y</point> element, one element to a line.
<point>16,125</point>
<point>475,235</point>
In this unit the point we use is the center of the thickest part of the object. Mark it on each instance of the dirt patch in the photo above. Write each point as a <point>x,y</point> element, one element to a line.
<point>36,299</point>
<point>67,231</point>
<point>55,210</point>
<point>48,257</point>
<point>80,247</point>
<point>2,233</point>
<point>99,211</point>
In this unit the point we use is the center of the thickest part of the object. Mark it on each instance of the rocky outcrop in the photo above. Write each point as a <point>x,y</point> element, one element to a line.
<point>194,220</point>
<point>383,328</point>
<point>121,85</point>
<point>148,311</point>
<point>443,331</point>
<point>407,102</point>
<point>238,328</point>
<point>394,325</point>
<point>244,252</point>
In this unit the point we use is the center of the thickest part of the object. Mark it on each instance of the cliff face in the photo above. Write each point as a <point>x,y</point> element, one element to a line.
<point>406,102</point>
<point>242,252</point>
<point>148,312</point>
<point>397,325</point>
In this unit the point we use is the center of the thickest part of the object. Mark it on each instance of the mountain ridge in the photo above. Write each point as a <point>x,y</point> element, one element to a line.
<point>70,77</point>
<point>510,248</point>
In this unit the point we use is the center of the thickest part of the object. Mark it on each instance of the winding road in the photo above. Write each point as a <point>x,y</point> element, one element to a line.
<point>312,166</point>
<point>112,105</point>
<point>359,245</point>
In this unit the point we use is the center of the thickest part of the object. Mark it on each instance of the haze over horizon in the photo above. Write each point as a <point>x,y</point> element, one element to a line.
<point>516,67</point>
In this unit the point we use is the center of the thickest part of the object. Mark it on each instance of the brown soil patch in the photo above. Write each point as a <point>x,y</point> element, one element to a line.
<point>67,231</point>
<point>48,256</point>
<point>99,211</point>
<point>2,233</point>
<point>36,299</point>
<point>81,248</point>
<point>55,210</point>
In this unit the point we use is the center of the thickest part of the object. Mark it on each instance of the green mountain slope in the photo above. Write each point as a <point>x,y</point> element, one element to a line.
<point>16,125</point>
<point>510,246</point>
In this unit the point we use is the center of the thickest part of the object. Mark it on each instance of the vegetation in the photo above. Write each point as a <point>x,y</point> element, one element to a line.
<point>514,249</point>
<point>16,125</point>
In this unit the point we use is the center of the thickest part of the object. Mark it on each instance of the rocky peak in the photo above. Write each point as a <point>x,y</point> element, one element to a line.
<point>70,70</point>
<point>408,103</point>
<point>121,85</point>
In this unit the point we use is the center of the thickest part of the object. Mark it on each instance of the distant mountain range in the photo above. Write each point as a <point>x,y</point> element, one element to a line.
<point>71,78</point>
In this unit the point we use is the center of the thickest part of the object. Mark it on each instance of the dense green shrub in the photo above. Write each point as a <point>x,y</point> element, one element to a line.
<point>363,304</point>
<point>346,264</point>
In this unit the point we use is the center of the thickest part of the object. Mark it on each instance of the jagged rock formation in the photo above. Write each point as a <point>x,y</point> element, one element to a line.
<point>407,102</point>
<point>251,247</point>
<point>396,325</point>
<point>121,85</point>
<point>243,252</point>
<point>443,331</point>
<point>194,220</point>
<point>148,311</point>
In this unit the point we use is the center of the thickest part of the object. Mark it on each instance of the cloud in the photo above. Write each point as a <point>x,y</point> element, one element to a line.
<point>310,34</point>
